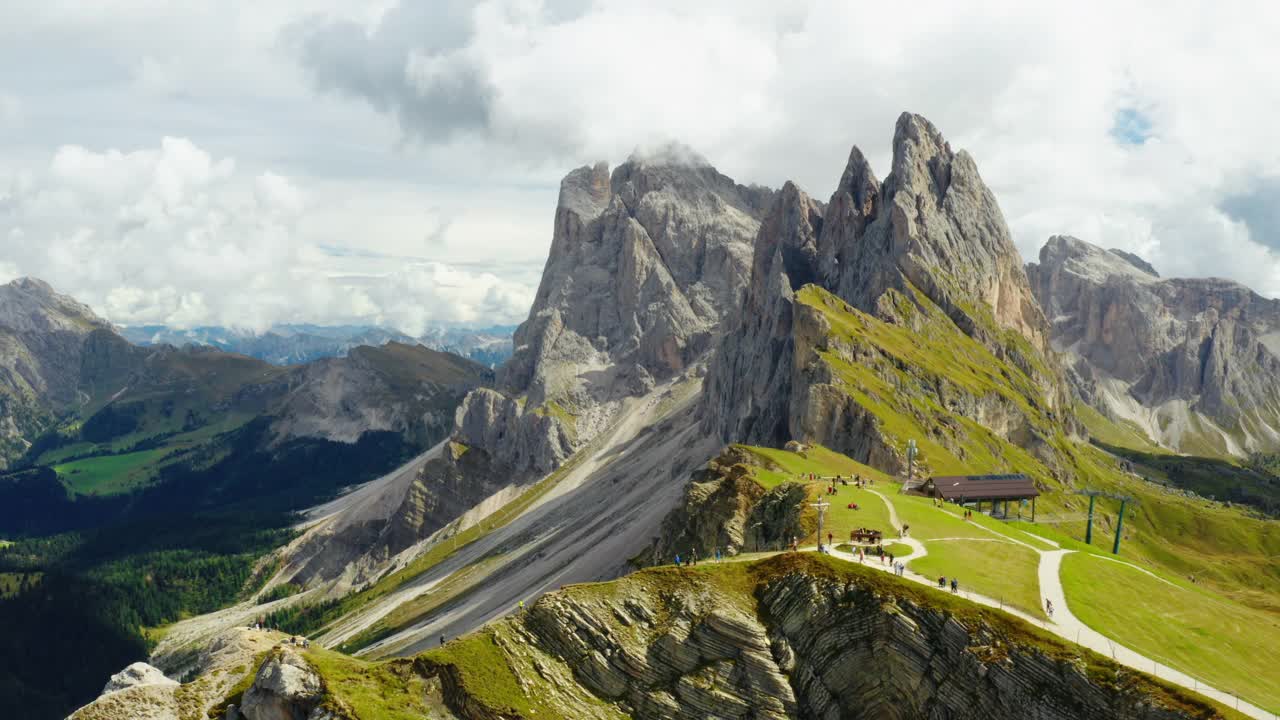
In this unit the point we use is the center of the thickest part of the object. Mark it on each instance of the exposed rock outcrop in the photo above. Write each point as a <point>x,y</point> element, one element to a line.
<point>927,250</point>
<point>42,338</point>
<point>143,692</point>
<point>796,636</point>
<point>1190,362</point>
<point>935,225</point>
<point>724,509</point>
<point>136,674</point>
<point>644,263</point>
<point>285,688</point>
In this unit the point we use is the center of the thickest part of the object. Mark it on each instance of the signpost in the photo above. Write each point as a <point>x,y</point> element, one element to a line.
<point>821,506</point>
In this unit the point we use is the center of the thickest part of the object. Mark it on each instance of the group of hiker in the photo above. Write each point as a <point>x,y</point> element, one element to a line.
<point>692,558</point>
<point>885,557</point>
<point>861,534</point>
<point>297,640</point>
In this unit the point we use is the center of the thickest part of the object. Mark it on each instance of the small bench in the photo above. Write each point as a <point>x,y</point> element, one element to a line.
<point>865,535</point>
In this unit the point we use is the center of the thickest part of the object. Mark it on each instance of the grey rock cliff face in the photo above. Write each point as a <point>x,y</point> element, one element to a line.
<point>815,647</point>
<point>933,224</point>
<point>645,262</point>
<point>1191,361</point>
<point>932,227</point>
<point>42,338</point>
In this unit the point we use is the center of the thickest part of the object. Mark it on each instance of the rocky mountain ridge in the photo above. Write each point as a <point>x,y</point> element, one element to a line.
<point>927,248</point>
<point>1189,362</point>
<point>58,358</point>
<point>795,636</point>
<point>42,336</point>
<point>644,263</point>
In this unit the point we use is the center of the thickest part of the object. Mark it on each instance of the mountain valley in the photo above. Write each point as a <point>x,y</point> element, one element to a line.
<point>703,364</point>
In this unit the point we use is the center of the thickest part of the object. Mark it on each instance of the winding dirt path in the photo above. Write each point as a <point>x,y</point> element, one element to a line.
<point>1063,623</point>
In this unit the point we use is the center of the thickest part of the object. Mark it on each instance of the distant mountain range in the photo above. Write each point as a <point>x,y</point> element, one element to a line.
<point>295,344</point>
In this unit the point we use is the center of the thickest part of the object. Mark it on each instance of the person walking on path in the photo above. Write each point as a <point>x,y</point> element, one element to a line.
<point>955,585</point>
<point>891,559</point>
<point>677,559</point>
<point>942,582</point>
<point>831,538</point>
<point>1048,608</point>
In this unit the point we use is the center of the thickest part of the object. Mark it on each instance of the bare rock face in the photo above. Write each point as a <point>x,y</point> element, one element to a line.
<point>752,376</point>
<point>643,265</point>
<point>797,639</point>
<point>530,440</point>
<point>286,688</point>
<point>933,224</point>
<point>724,510</point>
<point>1192,362</point>
<point>932,234</point>
<point>42,339</point>
<point>136,674</point>
<point>645,262</point>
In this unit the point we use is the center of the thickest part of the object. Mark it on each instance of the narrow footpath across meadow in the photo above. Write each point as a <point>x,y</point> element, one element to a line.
<point>1063,623</point>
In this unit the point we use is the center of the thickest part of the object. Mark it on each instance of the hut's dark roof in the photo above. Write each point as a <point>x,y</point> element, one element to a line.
<point>984,487</point>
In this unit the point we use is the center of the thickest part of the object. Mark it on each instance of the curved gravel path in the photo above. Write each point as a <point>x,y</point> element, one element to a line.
<point>1063,624</point>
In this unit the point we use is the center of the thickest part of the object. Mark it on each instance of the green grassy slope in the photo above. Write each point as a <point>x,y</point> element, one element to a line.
<point>504,674</point>
<point>109,473</point>
<point>1235,648</point>
<point>915,375</point>
<point>991,567</point>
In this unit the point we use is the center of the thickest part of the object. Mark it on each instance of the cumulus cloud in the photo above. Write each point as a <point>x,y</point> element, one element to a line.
<point>176,236</point>
<point>1154,141</point>
<point>388,144</point>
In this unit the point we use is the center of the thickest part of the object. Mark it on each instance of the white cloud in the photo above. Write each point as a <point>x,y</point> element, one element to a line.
<point>376,143</point>
<point>10,111</point>
<point>173,235</point>
<point>1125,123</point>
